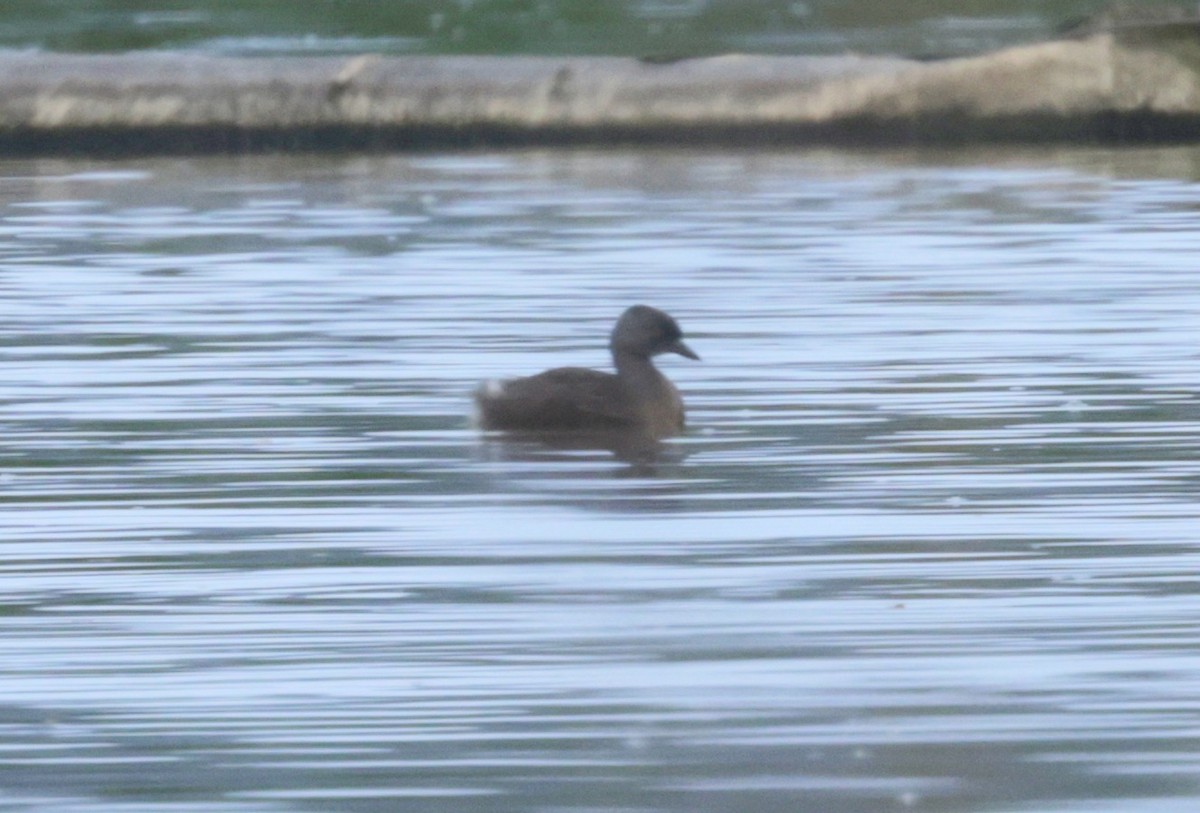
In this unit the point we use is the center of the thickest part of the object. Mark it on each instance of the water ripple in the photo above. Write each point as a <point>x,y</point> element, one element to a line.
<point>928,543</point>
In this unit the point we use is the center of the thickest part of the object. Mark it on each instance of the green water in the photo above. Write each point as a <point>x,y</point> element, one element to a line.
<point>662,28</point>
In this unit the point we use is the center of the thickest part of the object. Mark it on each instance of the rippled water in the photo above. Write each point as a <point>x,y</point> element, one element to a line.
<point>930,543</point>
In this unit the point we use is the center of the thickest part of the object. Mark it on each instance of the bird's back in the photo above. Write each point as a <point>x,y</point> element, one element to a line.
<point>566,398</point>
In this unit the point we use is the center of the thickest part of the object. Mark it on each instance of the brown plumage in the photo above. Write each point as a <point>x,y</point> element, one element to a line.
<point>638,397</point>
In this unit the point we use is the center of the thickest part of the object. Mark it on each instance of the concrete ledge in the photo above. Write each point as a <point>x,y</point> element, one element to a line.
<point>1100,88</point>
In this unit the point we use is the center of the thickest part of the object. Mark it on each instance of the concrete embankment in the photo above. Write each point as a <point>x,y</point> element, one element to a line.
<point>1103,88</point>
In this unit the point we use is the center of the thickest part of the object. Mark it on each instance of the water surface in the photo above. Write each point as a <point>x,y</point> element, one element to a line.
<point>929,543</point>
<point>661,28</point>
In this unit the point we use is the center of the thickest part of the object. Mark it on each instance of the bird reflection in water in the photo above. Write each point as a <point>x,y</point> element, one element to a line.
<point>645,454</point>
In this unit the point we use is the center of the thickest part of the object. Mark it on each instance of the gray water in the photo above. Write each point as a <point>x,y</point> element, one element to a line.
<point>930,542</point>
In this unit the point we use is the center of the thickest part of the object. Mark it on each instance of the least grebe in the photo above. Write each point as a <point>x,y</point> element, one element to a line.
<point>638,397</point>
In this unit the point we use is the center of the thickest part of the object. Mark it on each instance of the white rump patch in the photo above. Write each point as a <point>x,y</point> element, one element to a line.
<point>487,391</point>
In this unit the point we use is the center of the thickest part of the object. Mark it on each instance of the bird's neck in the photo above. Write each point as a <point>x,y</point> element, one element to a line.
<point>656,398</point>
<point>638,372</point>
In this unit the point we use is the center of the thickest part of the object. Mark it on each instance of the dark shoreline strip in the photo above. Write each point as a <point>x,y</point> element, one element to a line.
<point>1099,129</point>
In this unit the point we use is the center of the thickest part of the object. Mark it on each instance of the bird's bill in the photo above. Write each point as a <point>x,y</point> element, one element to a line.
<point>683,350</point>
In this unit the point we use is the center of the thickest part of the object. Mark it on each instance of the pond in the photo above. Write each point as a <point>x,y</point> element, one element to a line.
<point>929,542</point>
